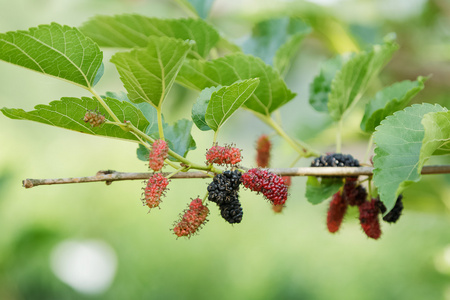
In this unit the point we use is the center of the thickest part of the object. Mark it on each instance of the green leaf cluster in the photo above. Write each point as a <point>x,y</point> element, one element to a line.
<point>343,80</point>
<point>276,41</point>
<point>270,94</point>
<point>132,30</point>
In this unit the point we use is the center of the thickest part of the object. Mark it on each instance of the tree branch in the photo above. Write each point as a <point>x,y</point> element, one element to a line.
<point>109,176</point>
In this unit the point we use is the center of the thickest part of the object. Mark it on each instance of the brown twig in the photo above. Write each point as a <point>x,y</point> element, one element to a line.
<point>110,176</point>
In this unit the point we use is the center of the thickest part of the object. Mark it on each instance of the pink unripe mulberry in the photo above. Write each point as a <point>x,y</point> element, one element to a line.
<point>223,155</point>
<point>192,219</point>
<point>368,217</point>
<point>154,190</point>
<point>336,212</point>
<point>157,155</point>
<point>269,184</point>
<point>263,146</point>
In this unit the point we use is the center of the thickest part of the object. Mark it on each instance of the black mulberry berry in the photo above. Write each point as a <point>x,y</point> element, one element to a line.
<point>395,213</point>
<point>232,212</point>
<point>335,160</point>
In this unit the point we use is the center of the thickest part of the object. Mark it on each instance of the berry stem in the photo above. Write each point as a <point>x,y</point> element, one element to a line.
<point>160,125</point>
<point>206,197</point>
<point>215,136</point>
<point>105,106</point>
<point>339,137</point>
<point>302,149</point>
<point>369,150</point>
<point>295,161</point>
<point>175,155</point>
<point>175,172</point>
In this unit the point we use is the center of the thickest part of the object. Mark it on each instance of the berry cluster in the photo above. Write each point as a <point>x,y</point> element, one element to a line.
<point>226,155</point>
<point>94,118</point>
<point>224,191</point>
<point>192,219</point>
<point>263,146</point>
<point>272,186</point>
<point>354,194</point>
<point>157,155</point>
<point>335,160</point>
<point>154,190</point>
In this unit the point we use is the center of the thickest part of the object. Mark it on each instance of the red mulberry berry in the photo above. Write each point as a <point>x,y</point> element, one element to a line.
<point>156,186</point>
<point>223,155</point>
<point>269,184</point>
<point>279,208</point>
<point>368,217</point>
<point>94,118</point>
<point>192,219</point>
<point>263,146</point>
<point>157,155</point>
<point>336,212</point>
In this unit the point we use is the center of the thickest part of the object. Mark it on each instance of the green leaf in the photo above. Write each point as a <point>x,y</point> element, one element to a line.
<point>437,135</point>
<point>322,188</point>
<point>287,52</point>
<point>227,100</point>
<point>399,154</point>
<point>200,106</point>
<point>275,41</point>
<point>352,80</point>
<point>147,109</point>
<point>149,73</point>
<point>270,94</point>
<point>69,112</point>
<point>389,100</point>
<point>54,50</point>
<point>131,30</point>
<point>201,7</point>
<point>178,136</point>
<point>321,85</point>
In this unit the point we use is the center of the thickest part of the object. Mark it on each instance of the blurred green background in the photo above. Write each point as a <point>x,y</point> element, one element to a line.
<point>92,241</point>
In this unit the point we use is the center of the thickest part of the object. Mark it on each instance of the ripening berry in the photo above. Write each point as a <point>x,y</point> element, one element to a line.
<point>154,190</point>
<point>279,208</point>
<point>192,219</point>
<point>354,193</point>
<point>269,184</point>
<point>223,155</point>
<point>368,217</point>
<point>263,146</point>
<point>336,212</point>
<point>157,155</point>
<point>94,118</point>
